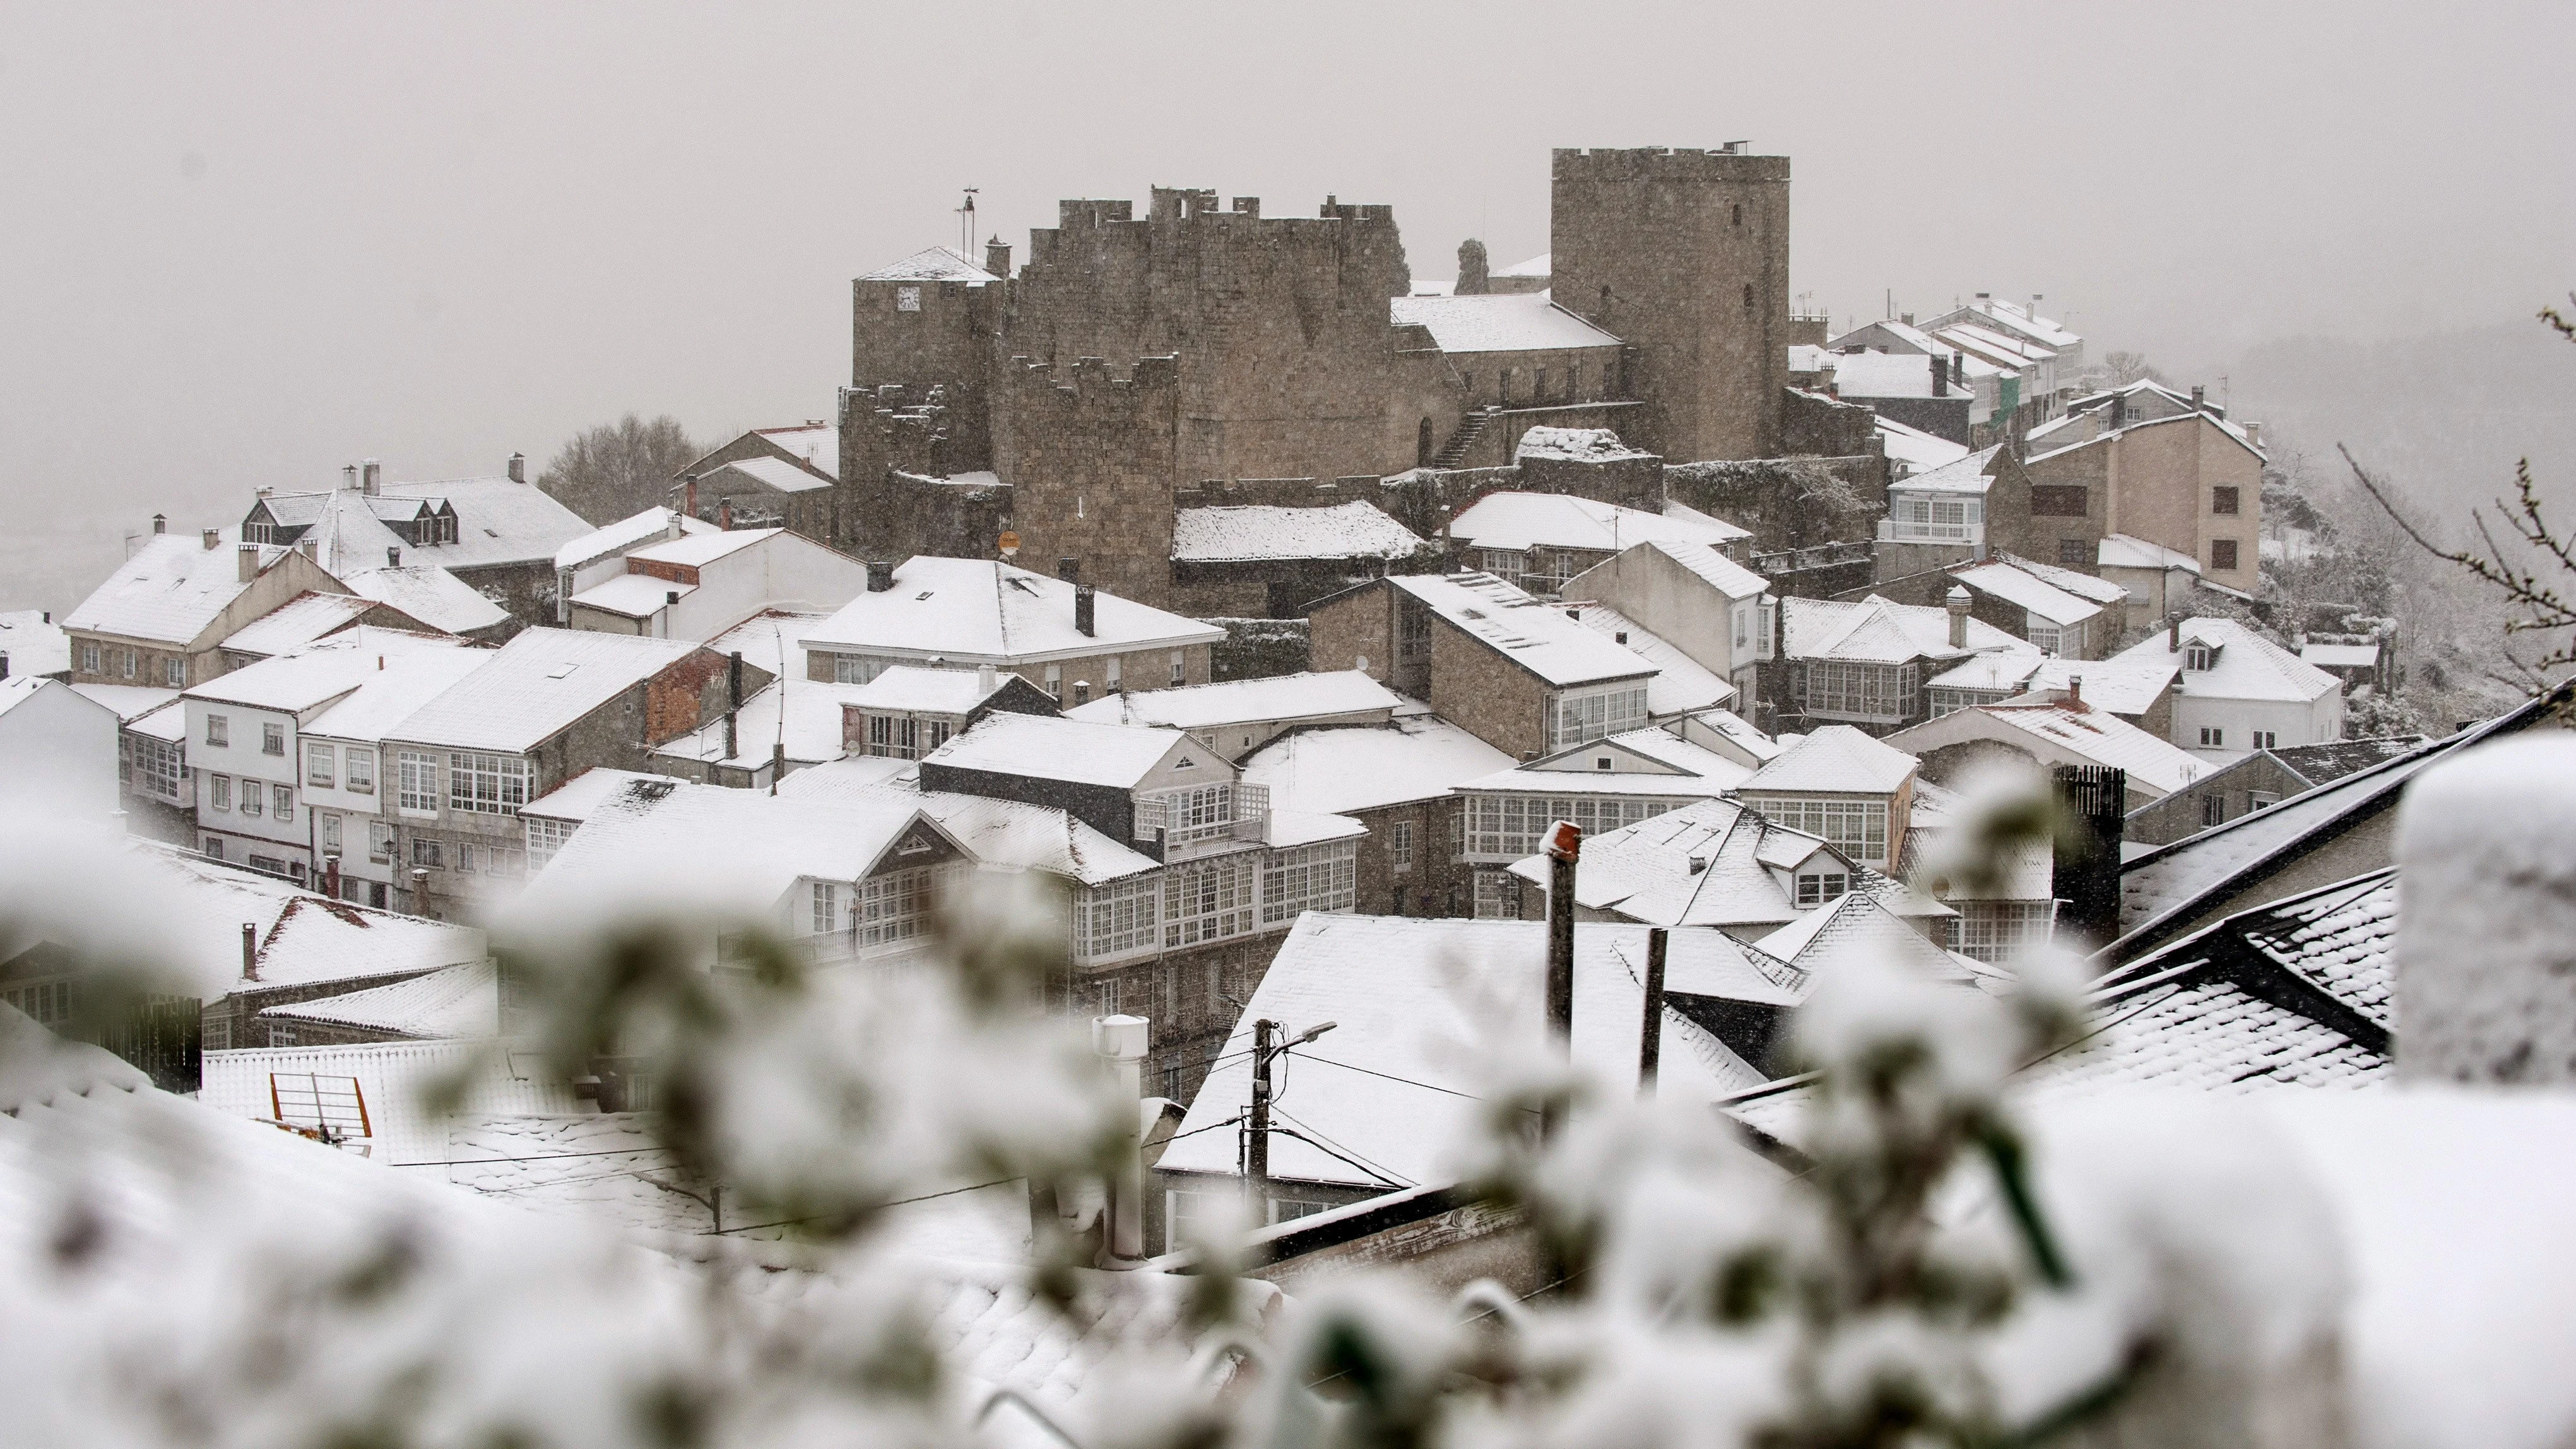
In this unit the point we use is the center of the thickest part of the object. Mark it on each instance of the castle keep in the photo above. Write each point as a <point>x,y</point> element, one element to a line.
<point>1203,350</point>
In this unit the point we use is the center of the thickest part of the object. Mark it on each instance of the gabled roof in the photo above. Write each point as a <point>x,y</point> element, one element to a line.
<point>1515,521</point>
<point>128,702</point>
<point>498,521</point>
<point>1331,771</point>
<point>818,444</point>
<point>332,668</point>
<point>933,264</point>
<point>1497,322</point>
<point>2121,551</point>
<point>1262,533</point>
<point>1918,450</point>
<point>907,687</point>
<point>2122,686</point>
<point>774,473</point>
<point>633,596</point>
<point>2248,666</point>
<point>1997,345</point>
<point>1005,833</point>
<point>169,591</point>
<point>1709,863</point>
<point>33,643</point>
<point>627,533</point>
<point>1731,579</point>
<point>700,549</point>
<point>2027,591</point>
<point>408,671</point>
<point>1855,921</point>
<point>2055,730</point>
<point>1046,748</point>
<point>537,685</point>
<point>1678,768</point>
<point>1682,685</point>
<point>1389,1089</point>
<point>1895,374</point>
<point>300,620</point>
<point>976,611</point>
<point>1243,701</point>
<point>1536,636</point>
<point>449,1003</point>
<point>2082,585</point>
<point>430,594</point>
<point>1971,475</point>
<point>1878,631</point>
<point>1834,759</point>
<point>2019,319</point>
<point>317,939</point>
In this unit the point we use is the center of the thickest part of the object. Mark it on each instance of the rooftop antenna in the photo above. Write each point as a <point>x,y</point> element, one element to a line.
<point>966,224</point>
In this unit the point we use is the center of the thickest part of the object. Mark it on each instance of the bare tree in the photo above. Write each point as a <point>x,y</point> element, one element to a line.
<point>2536,580</point>
<point>617,469</point>
<point>2128,367</point>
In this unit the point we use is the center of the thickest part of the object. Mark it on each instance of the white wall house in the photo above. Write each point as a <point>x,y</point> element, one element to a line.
<point>1714,610</point>
<point>2239,692</point>
<point>698,586</point>
<point>57,750</point>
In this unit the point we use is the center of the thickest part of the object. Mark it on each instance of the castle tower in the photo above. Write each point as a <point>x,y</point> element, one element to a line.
<point>928,322</point>
<point>1684,255</point>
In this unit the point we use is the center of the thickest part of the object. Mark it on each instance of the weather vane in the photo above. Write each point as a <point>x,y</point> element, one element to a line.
<point>966,224</point>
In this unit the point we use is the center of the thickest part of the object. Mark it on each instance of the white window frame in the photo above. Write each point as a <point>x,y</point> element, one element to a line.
<point>219,792</point>
<point>174,671</point>
<point>1580,716</point>
<point>219,731</point>
<point>1854,825</point>
<point>1120,918</point>
<point>282,803</point>
<point>480,783</point>
<point>1322,877</point>
<point>1399,845</point>
<point>416,783</point>
<point>359,775</point>
<point>272,738</point>
<point>1215,899</point>
<point>321,765</point>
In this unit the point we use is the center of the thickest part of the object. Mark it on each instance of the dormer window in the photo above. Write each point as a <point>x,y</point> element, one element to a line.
<point>1601,762</point>
<point>1815,887</point>
<point>2200,656</point>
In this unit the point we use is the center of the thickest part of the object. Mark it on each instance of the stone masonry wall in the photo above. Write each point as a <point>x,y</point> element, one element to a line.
<point>1090,456</point>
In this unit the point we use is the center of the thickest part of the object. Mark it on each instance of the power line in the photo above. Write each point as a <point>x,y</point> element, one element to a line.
<point>539,1157</point>
<point>872,1207</point>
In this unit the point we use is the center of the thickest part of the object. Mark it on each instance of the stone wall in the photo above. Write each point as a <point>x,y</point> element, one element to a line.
<point>1255,648</point>
<point>1814,424</point>
<point>1475,688</point>
<point>1091,459</point>
<point>1788,502</point>
<point>946,344</point>
<point>1685,256</point>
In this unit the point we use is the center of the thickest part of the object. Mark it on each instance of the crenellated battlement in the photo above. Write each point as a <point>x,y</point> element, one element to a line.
<point>1663,163</point>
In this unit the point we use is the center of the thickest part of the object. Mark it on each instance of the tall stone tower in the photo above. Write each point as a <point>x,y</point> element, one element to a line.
<point>1685,255</point>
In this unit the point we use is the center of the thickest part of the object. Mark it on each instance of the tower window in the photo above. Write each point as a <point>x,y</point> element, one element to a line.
<point>1748,296</point>
<point>1739,213</point>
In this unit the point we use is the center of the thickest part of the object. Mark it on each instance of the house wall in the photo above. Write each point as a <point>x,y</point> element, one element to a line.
<point>60,750</point>
<point>1355,631</point>
<point>1684,255</point>
<point>2182,813</point>
<point>2295,722</point>
<point>781,570</point>
<point>2054,538</point>
<point>1648,586</point>
<point>286,575</point>
<point>2223,462</point>
<point>1436,883</point>
<point>1475,688</point>
<point>1136,669</point>
<point>246,763</point>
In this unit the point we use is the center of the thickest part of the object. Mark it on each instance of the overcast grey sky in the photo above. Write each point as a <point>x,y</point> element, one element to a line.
<point>241,244</point>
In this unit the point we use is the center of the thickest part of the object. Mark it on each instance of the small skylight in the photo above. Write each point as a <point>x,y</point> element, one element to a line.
<point>926,593</point>
<point>561,671</point>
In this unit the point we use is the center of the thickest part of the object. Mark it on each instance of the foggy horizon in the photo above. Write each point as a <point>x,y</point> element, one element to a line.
<point>249,246</point>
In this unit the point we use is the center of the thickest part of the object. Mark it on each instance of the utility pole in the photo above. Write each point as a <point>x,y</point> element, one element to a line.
<point>1650,1034</point>
<point>1564,844</point>
<point>1257,1169</point>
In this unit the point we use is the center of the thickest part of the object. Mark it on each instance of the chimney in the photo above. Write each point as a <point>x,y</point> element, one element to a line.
<point>997,257</point>
<point>4,666</point>
<point>1957,603</point>
<point>309,546</point>
<point>1981,296</point>
<point>2486,923</point>
<point>691,507</point>
<point>2173,633</point>
<point>1959,367</point>
<point>2075,690</point>
<point>1906,317</point>
<point>1119,1041</point>
<point>393,556</point>
<point>1068,569</point>
<point>250,951</point>
<point>160,523</point>
<point>246,563</point>
<point>986,681</point>
<point>724,515</point>
<point>1940,376</point>
<point>2086,872</point>
<point>880,577</point>
<point>2253,433</point>
<point>421,905</point>
<point>518,467</point>
<point>1082,610</point>
<point>2119,411</point>
<point>733,681</point>
<point>331,874</point>
<point>2200,399</point>
<point>210,538</point>
<point>349,476</point>
<point>372,474</point>
<point>674,530</point>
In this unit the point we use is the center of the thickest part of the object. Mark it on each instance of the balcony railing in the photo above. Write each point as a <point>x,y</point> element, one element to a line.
<point>1250,823</point>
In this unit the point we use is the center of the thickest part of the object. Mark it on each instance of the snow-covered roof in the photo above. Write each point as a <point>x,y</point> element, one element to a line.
<point>1834,759</point>
<point>34,644</point>
<point>700,549</point>
<point>577,797</point>
<point>1965,475</point>
<point>819,444</point>
<point>498,521</point>
<point>775,473</point>
<point>2248,666</point>
<point>2054,730</point>
<point>1729,578</point>
<point>1008,834</point>
<point>1892,374</point>
<point>799,716</point>
<point>2121,551</point>
<point>332,667</point>
<point>1577,445</point>
<point>1498,322</point>
<point>452,1002</point>
<point>300,620</point>
<point>316,939</point>
<point>2121,686</point>
<point>1682,685</point>
<point>2016,317</point>
<point>1710,863</point>
<point>1515,521</point>
<point>1905,332</point>
<point>1918,450</point>
<point>1263,532</point>
<point>2082,585</point>
<point>2027,591</point>
<point>1878,631</point>
<point>626,533</point>
<point>1969,337</point>
<point>1854,921</point>
<point>1690,770</point>
<point>912,689</point>
<point>430,594</point>
<point>1397,1083</point>
<point>1362,767</point>
<point>635,594</point>
<point>395,674</point>
<point>933,264</point>
<point>2340,656</point>
<point>1047,748</point>
<point>972,611</point>
<point>1542,265</point>
<point>1536,636</point>
<point>536,685</point>
<point>169,591</point>
<point>130,702</point>
<point>1326,696</point>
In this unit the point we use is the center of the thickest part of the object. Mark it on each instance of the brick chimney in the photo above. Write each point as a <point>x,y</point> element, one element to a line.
<point>372,477</point>
<point>1959,368</point>
<point>880,577</point>
<point>1940,376</point>
<point>2173,633</point>
<point>1082,610</point>
<point>2486,933</point>
<point>160,523</point>
<point>2075,692</point>
<point>518,467</point>
<point>210,537</point>
<point>1957,603</point>
<point>250,951</point>
<point>724,515</point>
<point>246,563</point>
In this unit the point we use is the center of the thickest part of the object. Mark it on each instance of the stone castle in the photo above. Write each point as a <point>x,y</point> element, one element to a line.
<point>1206,353</point>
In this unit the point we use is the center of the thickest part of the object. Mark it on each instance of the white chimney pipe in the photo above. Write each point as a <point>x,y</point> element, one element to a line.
<point>1119,1041</point>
